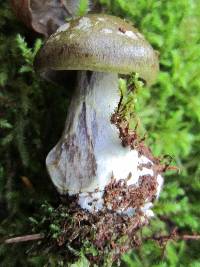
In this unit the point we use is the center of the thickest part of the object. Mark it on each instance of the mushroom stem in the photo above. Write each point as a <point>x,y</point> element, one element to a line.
<point>89,152</point>
<point>89,139</point>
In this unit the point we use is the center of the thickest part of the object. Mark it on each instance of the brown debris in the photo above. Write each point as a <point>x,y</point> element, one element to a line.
<point>105,230</point>
<point>120,196</point>
<point>129,137</point>
<point>122,30</point>
<point>148,165</point>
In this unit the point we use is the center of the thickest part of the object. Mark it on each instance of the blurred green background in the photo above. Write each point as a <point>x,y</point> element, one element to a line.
<point>32,114</point>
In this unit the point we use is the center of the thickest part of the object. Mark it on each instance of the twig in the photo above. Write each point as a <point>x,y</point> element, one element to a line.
<point>190,237</point>
<point>173,236</point>
<point>24,238</point>
<point>163,240</point>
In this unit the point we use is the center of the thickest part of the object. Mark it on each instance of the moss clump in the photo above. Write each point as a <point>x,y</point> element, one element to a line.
<point>70,232</point>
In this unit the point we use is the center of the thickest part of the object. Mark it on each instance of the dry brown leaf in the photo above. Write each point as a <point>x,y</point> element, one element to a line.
<point>27,182</point>
<point>43,16</point>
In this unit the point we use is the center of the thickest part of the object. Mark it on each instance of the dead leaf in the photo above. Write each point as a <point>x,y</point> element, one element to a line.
<point>26,181</point>
<point>43,16</point>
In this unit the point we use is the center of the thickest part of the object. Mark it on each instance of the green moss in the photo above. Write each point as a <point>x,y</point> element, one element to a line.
<point>83,7</point>
<point>74,235</point>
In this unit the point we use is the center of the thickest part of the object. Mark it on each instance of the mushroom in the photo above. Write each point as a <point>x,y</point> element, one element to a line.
<point>90,152</point>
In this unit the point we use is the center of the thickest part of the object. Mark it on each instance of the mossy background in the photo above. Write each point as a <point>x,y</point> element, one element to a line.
<point>32,114</point>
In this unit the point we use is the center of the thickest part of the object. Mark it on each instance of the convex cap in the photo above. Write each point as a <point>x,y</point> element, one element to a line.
<point>101,43</point>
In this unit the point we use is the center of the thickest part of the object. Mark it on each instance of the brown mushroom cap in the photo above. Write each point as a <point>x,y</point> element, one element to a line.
<point>101,43</point>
